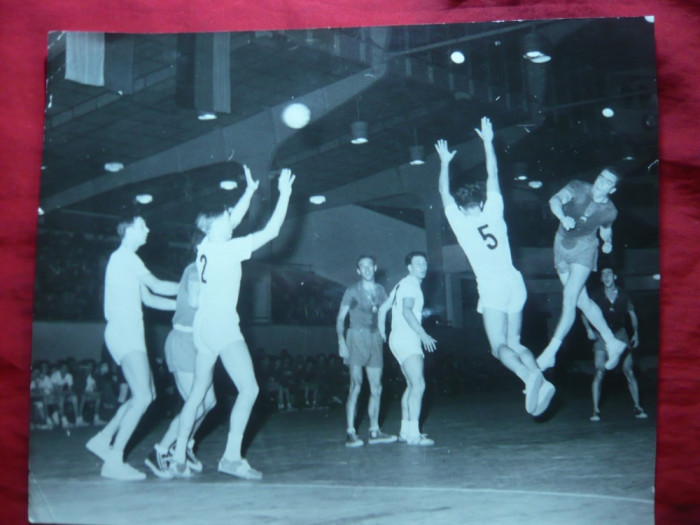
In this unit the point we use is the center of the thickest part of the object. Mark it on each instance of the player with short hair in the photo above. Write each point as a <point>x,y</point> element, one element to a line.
<point>584,210</point>
<point>128,283</point>
<point>362,347</point>
<point>216,323</point>
<point>616,305</point>
<point>407,341</point>
<point>478,223</point>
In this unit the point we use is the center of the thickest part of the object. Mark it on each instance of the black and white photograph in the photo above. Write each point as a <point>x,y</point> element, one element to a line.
<point>387,274</point>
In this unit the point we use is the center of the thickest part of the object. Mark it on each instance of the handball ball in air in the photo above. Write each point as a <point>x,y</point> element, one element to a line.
<point>296,115</point>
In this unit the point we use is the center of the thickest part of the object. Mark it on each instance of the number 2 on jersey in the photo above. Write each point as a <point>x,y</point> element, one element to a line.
<point>489,238</point>
<point>203,260</point>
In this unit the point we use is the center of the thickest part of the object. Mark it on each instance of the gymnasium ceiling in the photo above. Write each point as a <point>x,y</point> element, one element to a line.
<point>400,80</point>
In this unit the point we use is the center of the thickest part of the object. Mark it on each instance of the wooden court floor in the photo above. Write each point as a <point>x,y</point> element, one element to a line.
<point>492,463</point>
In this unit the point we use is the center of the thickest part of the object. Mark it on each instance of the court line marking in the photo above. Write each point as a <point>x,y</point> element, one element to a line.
<point>462,490</point>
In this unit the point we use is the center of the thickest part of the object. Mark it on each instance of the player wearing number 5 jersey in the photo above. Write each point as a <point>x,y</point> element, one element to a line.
<point>216,331</point>
<point>481,231</point>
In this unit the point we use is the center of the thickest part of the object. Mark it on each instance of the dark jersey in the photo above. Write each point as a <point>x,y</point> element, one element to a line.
<point>615,313</point>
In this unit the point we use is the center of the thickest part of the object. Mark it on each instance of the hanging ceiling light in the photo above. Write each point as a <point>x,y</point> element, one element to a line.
<point>417,154</point>
<point>358,131</point>
<point>535,48</point>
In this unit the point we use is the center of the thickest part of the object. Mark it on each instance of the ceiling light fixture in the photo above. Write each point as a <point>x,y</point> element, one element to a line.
<point>535,184</point>
<point>608,112</point>
<point>535,48</point>
<point>207,115</point>
<point>358,129</point>
<point>144,198</point>
<point>521,177</point>
<point>416,152</point>
<point>114,167</point>
<point>228,185</point>
<point>317,199</point>
<point>457,57</point>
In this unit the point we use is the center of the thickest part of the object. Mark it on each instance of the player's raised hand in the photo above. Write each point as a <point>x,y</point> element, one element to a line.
<point>251,185</point>
<point>284,184</point>
<point>486,131</point>
<point>443,151</point>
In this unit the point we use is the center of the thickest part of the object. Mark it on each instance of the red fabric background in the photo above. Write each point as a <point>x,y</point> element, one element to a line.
<point>23,29</point>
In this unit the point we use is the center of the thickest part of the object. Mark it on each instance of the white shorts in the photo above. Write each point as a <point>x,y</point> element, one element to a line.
<point>124,338</point>
<point>212,335</point>
<point>404,345</point>
<point>505,293</point>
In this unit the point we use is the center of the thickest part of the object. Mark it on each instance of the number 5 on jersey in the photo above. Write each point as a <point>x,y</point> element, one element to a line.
<point>489,238</point>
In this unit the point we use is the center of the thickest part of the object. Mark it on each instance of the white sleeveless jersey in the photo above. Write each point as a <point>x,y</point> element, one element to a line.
<point>484,237</point>
<point>219,269</point>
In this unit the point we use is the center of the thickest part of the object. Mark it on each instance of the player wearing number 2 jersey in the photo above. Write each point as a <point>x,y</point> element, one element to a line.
<point>482,233</point>
<point>216,330</point>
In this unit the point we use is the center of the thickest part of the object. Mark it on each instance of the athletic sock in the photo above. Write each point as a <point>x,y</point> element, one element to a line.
<point>553,345</point>
<point>413,428</point>
<point>404,427</point>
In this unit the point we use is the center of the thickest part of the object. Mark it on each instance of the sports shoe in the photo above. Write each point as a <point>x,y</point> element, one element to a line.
<point>121,471</point>
<point>639,413</point>
<point>546,360</point>
<point>532,390</point>
<point>421,440</point>
<point>352,441</point>
<point>179,470</point>
<point>546,394</point>
<point>158,462</point>
<point>402,438</point>
<point>239,468</point>
<point>595,416</point>
<point>377,436</point>
<point>99,445</point>
<point>615,349</point>
<point>80,422</point>
<point>191,459</point>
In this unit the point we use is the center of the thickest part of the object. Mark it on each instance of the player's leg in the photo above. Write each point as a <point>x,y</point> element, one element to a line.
<point>203,372</point>
<point>351,406</point>
<point>138,376</point>
<point>374,378</point>
<point>593,313</point>
<point>628,370</point>
<point>599,358</point>
<point>413,371</point>
<point>574,280</point>
<point>101,443</point>
<point>236,360</point>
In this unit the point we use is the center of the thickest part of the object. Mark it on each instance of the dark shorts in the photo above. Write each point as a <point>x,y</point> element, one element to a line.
<point>180,352</point>
<point>365,347</point>
<point>582,250</point>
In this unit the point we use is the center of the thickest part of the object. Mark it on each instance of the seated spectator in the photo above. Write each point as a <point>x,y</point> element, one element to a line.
<point>62,382</point>
<point>91,392</point>
<point>39,416</point>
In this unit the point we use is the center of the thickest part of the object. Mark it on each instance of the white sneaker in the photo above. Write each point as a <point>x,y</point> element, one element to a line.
<point>545,397</point>
<point>532,390</point>
<point>546,360</point>
<point>615,350</point>
<point>121,471</point>
<point>421,440</point>
<point>240,468</point>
